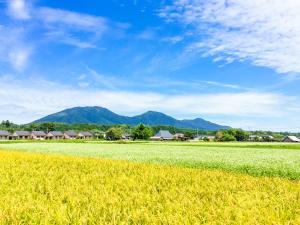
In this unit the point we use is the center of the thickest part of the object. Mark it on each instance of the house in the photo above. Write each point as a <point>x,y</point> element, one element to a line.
<point>197,138</point>
<point>55,135</point>
<point>180,137</point>
<point>85,135</point>
<point>255,138</point>
<point>70,135</point>
<point>268,138</point>
<point>293,139</point>
<point>99,134</point>
<point>208,137</point>
<point>162,135</point>
<point>24,135</point>
<point>126,136</point>
<point>204,137</point>
<point>4,135</point>
<point>38,135</point>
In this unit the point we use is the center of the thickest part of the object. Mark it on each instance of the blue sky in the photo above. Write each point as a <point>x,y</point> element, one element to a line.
<point>232,62</point>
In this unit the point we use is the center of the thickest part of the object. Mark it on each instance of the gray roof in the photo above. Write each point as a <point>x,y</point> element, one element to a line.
<point>4,133</point>
<point>86,133</point>
<point>38,133</point>
<point>292,138</point>
<point>22,133</point>
<point>71,133</point>
<point>56,133</point>
<point>165,134</point>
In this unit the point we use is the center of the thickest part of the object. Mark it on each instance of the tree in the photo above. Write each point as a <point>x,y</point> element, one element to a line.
<point>241,135</point>
<point>142,132</point>
<point>33,127</point>
<point>227,137</point>
<point>232,135</point>
<point>206,139</point>
<point>48,126</point>
<point>6,123</point>
<point>189,135</point>
<point>219,135</point>
<point>114,134</point>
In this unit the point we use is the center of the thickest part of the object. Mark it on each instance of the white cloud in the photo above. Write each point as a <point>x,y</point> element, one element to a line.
<point>18,57</point>
<point>72,28</point>
<point>60,26</point>
<point>148,34</point>
<point>34,99</point>
<point>83,84</point>
<point>112,82</point>
<point>173,39</point>
<point>265,32</point>
<point>74,20</point>
<point>67,37</point>
<point>106,81</point>
<point>13,49</point>
<point>225,85</point>
<point>18,9</point>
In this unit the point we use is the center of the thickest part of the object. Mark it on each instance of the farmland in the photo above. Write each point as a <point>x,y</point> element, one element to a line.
<point>277,160</point>
<point>45,189</point>
<point>149,183</point>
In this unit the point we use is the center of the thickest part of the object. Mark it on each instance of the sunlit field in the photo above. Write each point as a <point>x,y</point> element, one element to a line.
<point>45,189</point>
<point>275,159</point>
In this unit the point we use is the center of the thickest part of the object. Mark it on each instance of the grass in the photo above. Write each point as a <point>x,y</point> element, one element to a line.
<point>273,160</point>
<point>45,189</point>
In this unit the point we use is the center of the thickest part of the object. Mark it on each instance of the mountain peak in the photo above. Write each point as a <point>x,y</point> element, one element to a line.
<point>153,113</point>
<point>100,115</point>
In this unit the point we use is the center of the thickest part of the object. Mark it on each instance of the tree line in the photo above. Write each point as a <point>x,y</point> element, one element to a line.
<point>143,132</point>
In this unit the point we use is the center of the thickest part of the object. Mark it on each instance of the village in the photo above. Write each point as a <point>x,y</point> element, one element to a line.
<point>41,135</point>
<point>162,135</point>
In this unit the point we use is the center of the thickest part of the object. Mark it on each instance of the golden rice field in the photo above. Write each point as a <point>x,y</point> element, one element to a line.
<point>45,189</point>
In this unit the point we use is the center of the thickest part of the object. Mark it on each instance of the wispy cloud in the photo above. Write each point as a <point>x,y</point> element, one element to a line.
<point>34,98</point>
<point>148,34</point>
<point>225,85</point>
<point>66,27</point>
<point>64,36</point>
<point>74,20</point>
<point>72,28</point>
<point>173,39</point>
<point>106,81</point>
<point>18,9</point>
<point>18,57</point>
<point>266,33</point>
<point>116,82</point>
<point>13,47</point>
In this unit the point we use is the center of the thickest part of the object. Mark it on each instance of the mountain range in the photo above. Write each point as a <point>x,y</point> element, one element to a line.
<point>103,116</point>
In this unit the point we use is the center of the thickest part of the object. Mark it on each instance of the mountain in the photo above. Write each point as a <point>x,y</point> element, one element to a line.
<point>99,115</point>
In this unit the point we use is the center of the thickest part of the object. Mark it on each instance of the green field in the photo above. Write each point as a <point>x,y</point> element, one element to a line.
<point>274,160</point>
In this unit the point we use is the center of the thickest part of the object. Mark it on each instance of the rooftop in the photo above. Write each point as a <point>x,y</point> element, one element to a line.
<point>164,134</point>
<point>4,133</point>
<point>38,133</point>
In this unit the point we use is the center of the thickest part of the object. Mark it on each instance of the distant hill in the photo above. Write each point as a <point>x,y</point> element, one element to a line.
<point>99,115</point>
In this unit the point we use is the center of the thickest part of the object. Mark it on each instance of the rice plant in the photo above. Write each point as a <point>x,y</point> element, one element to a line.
<point>45,189</point>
